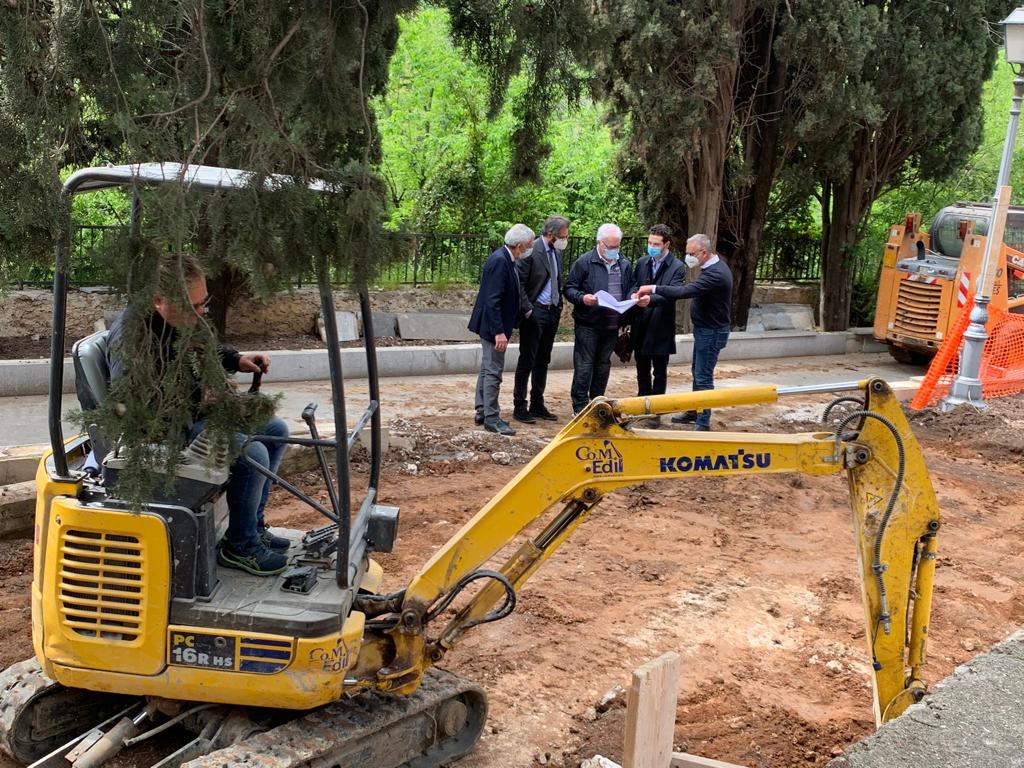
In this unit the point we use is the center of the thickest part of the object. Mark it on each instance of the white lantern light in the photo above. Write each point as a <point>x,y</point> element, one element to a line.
<point>1014,26</point>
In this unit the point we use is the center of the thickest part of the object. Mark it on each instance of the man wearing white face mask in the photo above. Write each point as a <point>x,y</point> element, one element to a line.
<point>711,315</point>
<point>540,285</point>
<point>597,328</point>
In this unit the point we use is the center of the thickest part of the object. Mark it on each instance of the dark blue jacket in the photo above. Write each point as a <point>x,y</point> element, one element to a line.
<point>497,304</point>
<point>653,328</point>
<point>711,294</point>
<point>590,275</point>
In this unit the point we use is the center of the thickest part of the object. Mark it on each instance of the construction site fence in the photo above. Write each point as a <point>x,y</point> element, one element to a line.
<point>434,259</point>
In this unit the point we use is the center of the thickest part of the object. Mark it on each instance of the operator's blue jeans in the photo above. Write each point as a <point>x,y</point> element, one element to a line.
<point>247,489</point>
<point>707,343</point>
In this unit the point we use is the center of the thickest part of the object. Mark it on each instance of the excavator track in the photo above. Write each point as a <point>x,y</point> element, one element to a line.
<point>438,723</point>
<point>37,715</point>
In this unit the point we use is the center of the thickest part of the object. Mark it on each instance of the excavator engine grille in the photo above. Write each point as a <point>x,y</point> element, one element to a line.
<point>101,584</point>
<point>917,308</point>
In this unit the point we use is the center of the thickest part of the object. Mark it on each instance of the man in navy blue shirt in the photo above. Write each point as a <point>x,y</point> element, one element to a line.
<point>711,315</point>
<point>494,317</point>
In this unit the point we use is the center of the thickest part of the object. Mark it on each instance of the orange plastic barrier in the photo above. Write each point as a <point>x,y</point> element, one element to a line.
<point>1002,360</point>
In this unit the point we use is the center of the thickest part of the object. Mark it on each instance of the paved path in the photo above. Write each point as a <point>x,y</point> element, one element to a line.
<point>24,419</point>
<point>972,719</point>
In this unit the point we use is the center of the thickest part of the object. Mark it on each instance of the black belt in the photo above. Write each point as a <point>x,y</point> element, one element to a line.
<point>546,306</point>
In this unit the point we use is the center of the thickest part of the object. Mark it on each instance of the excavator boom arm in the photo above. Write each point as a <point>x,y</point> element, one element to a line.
<point>895,516</point>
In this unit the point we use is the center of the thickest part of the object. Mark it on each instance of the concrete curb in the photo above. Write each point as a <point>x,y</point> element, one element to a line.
<point>31,377</point>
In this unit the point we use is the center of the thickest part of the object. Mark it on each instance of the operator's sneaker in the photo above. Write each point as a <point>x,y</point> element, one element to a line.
<point>259,562</point>
<point>270,541</point>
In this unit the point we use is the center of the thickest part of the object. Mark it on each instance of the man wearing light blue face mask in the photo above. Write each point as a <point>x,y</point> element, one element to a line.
<point>597,328</point>
<point>653,326</point>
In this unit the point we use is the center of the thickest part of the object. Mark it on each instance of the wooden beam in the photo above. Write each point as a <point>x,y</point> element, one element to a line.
<point>17,507</point>
<point>651,713</point>
<point>686,760</point>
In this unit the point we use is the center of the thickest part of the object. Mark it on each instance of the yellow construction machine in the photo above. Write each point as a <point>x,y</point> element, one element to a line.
<point>135,629</point>
<point>927,276</point>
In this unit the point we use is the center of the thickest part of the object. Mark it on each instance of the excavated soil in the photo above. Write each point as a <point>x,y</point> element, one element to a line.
<point>752,580</point>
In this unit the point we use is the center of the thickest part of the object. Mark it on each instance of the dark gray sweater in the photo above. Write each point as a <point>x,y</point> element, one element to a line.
<point>711,294</point>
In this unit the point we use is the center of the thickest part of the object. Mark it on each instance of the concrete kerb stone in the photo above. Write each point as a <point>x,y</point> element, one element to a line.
<point>441,326</point>
<point>31,377</point>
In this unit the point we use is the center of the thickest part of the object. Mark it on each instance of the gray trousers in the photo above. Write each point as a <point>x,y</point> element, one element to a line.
<point>488,382</point>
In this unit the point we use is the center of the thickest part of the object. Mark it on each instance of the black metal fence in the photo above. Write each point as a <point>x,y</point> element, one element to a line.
<point>442,259</point>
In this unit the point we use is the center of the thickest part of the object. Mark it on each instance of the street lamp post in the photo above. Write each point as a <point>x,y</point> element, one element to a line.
<point>966,387</point>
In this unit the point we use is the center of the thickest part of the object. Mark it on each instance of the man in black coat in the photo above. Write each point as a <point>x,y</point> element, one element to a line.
<point>540,280</point>
<point>653,323</point>
<point>597,328</point>
<point>711,315</point>
<point>494,317</point>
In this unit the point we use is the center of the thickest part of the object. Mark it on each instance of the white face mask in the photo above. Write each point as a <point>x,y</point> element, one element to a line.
<point>561,244</point>
<point>691,260</point>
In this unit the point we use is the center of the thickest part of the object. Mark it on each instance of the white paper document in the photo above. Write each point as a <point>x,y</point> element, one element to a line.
<point>608,301</point>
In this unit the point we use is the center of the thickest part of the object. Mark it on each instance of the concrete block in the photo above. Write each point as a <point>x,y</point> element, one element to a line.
<point>384,324</point>
<point>435,326</point>
<point>17,507</point>
<point>18,463</point>
<point>782,317</point>
<point>348,326</point>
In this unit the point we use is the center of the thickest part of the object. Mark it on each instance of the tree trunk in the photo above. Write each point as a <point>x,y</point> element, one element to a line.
<point>761,137</point>
<point>843,208</point>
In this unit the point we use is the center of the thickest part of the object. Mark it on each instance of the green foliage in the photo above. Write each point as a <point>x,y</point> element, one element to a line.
<point>451,169</point>
<point>269,87</point>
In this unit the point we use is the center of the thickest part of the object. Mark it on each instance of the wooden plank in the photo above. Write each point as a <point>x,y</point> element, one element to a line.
<point>686,760</point>
<point>651,713</point>
<point>17,507</point>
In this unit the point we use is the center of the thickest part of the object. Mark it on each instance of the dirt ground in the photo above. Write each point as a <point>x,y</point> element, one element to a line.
<point>751,579</point>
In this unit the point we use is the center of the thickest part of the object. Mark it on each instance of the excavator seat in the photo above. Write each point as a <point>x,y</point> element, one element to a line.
<point>92,380</point>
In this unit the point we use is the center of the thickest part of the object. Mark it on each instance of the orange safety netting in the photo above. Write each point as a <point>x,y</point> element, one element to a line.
<point>1002,361</point>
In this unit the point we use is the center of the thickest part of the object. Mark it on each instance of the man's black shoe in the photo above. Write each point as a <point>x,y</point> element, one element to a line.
<point>543,413</point>
<point>687,417</point>
<point>478,420</point>
<point>701,428</point>
<point>499,427</point>
<point>523,415</point>
<point>270,541</point>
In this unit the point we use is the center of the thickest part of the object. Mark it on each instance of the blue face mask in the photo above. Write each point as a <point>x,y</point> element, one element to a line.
<point>653,252</point>
<point>611,254</point>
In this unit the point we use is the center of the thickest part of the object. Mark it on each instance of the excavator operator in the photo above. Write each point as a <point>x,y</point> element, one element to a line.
<point>248,544</point>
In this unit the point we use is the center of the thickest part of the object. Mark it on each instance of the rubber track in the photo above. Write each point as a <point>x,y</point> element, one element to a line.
<point>18,684</point>
<point>311,740</point>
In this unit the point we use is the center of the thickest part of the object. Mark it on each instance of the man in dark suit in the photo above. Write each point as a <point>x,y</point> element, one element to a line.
<point>653,324</point>
<point>540,280</point>
<point>597,328</point>
<point>711,315</point>
<point>494,317</point>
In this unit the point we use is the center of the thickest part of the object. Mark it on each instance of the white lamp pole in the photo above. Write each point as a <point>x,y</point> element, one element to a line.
<point>966,387</point>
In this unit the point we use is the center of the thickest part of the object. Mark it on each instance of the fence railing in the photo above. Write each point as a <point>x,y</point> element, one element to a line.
<point>442,258</point>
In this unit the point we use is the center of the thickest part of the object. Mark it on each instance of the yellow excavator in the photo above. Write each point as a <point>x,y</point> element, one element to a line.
<point>136,630</point>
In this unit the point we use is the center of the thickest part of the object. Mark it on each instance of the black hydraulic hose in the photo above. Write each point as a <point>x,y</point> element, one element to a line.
<point>876,555</point>
<point>499,613</point>
<point>839,400</point>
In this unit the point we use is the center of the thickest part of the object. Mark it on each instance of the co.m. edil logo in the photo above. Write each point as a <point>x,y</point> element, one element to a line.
<point>605,460</point>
